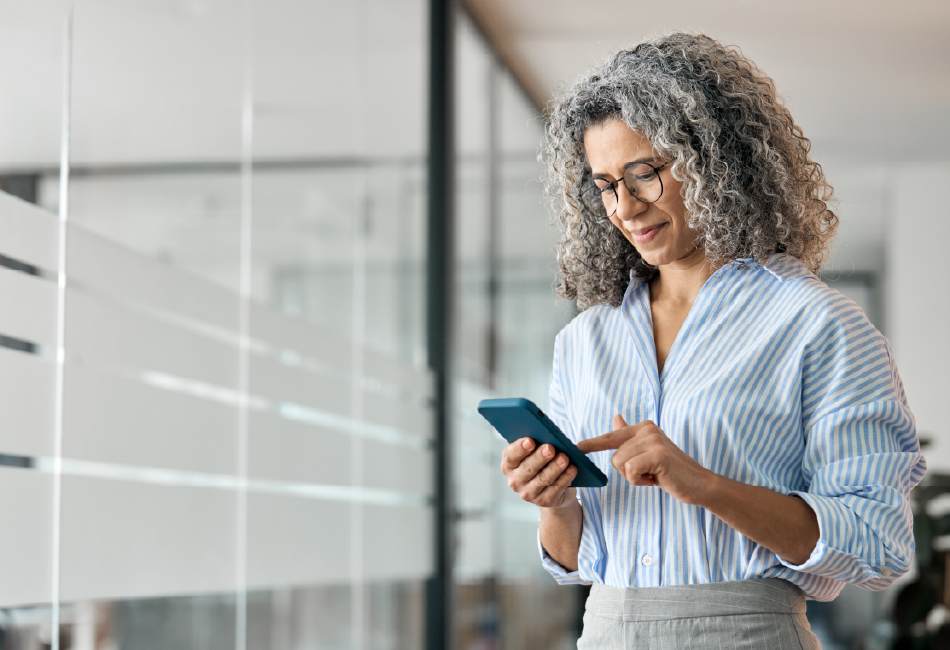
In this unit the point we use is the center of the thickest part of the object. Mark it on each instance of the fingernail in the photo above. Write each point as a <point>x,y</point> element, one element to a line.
<point>526,443</point>
<point>562,462</point>
<point>547,451</point>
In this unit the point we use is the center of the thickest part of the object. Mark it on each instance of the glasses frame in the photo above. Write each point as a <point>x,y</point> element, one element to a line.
<point>613,185</point>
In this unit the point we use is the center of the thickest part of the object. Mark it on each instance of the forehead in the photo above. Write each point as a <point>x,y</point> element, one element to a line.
<point>613,144</point>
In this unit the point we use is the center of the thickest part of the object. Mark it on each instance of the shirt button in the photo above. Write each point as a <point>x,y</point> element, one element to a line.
<point>646,560</point>
<point>886,571</point>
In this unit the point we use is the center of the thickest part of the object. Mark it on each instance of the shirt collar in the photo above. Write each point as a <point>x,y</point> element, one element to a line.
<point>782,266</point>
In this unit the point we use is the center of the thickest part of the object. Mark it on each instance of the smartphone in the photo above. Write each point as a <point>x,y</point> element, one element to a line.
<point>515,418</point>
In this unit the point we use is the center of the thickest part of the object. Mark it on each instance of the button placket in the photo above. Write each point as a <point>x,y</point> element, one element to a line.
<point>646,562</point>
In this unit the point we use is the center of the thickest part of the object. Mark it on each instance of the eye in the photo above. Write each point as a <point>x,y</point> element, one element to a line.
<point>639,173</point>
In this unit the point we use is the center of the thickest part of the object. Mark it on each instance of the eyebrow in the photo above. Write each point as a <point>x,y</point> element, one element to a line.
<point>645,159</point>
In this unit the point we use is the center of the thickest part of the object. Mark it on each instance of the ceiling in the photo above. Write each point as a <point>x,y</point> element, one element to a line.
<point>866,80</point>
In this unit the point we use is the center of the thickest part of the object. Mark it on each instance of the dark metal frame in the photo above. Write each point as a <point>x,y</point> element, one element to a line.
<point>440,261</point>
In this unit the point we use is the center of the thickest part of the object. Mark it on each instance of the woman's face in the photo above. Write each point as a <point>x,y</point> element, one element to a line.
<point>657,230</point>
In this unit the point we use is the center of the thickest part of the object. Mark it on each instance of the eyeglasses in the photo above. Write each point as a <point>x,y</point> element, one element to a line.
<point>641,179</point>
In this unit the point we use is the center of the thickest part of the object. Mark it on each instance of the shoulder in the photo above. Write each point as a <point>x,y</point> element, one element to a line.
<point>793,293</point>
<point>833,330</point>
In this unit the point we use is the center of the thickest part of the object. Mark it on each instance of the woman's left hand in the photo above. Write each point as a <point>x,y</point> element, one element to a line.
<point>646,456</point>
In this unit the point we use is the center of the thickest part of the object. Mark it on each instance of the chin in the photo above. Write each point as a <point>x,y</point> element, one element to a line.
<point>654,258</point>
<point>662,257</point>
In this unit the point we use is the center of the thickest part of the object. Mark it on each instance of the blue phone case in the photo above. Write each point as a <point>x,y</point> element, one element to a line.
<point>515,418</point>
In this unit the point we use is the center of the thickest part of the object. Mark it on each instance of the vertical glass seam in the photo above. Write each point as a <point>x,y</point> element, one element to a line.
<point>357,407</point>
<point>247,150</point>
<point>56,559</point>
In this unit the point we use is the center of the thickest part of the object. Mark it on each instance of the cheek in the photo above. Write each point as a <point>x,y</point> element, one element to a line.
<point>676,208</point>
<point>676,204</point>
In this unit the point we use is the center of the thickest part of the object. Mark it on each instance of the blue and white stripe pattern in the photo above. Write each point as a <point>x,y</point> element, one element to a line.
<point>775,380</point>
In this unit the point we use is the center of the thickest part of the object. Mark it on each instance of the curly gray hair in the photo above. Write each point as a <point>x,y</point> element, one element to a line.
<point>750,187</point>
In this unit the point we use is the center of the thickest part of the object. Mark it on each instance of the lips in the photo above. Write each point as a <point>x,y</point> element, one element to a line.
<point>645,235</point>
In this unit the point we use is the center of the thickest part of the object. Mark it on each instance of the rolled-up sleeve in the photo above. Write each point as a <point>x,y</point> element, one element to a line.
<point>558,413</point>
<point>862,457</point>
<point>560,574</point>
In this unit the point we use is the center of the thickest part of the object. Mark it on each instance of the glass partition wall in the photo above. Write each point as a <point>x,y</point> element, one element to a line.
<point>218,425</point>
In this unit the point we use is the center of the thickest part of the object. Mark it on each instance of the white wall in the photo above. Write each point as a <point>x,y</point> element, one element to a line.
<point>918,297</point>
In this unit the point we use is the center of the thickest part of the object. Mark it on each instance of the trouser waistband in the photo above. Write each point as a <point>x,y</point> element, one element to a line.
<point>761,596</point>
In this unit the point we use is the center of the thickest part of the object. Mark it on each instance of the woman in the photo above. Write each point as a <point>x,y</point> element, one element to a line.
<point>751,421</point>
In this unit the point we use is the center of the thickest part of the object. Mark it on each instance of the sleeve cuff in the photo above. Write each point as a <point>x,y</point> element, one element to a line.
<point>828,561</point>
<point>560,574</point>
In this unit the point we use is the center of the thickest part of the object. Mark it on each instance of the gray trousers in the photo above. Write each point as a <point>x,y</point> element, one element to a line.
<point>766,614</point>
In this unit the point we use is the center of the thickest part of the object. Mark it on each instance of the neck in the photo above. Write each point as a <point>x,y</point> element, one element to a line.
<point>681,281</point>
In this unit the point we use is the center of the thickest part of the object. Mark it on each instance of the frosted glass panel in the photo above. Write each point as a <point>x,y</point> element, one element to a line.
<point>288,450</point>
<point>26,541</point>
<point>298,541</point>
<point>28,234</point>
<point>102,331</point>
<point>94,261</point>
<point>124,420</point>
<point>28,418</point>
<point>123,539</point>
<point>29,307</point>
<point>153,423</point>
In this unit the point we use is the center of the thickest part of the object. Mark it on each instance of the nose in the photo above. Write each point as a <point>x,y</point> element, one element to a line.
<point>628,207</point>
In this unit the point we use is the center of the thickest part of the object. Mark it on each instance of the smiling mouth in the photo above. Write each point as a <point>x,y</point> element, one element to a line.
<point>646,234</point>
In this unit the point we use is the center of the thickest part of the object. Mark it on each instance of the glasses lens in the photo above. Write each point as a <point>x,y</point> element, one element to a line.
<point>643,181</point>
<point>600,201</point>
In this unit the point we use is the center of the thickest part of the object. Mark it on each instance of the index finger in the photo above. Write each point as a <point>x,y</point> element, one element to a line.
<point>622,433</point>
<point>517,451</point>
<point>600,443</point>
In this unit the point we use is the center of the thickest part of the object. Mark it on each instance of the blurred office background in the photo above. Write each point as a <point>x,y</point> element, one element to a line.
<point>260,260</point>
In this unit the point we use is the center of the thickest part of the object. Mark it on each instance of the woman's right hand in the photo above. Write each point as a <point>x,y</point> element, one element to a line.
<point>538,474</point>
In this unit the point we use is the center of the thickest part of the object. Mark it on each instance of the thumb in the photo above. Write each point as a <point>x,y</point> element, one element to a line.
<point>619,422</point>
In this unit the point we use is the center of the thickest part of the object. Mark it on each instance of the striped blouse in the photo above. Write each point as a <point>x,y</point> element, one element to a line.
<point>775,380</point>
